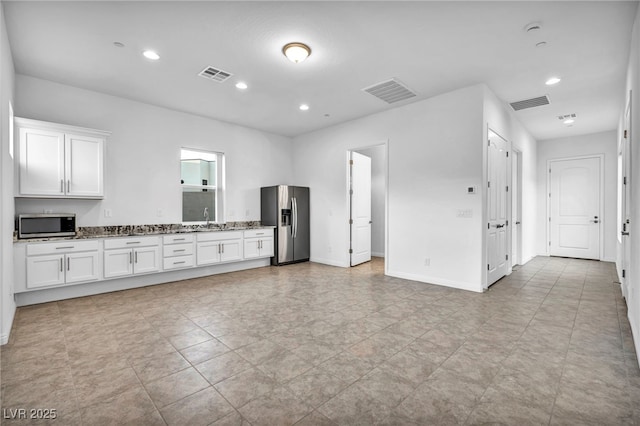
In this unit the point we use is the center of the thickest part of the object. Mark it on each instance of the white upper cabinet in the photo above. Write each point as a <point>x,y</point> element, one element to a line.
<point>59,161</point>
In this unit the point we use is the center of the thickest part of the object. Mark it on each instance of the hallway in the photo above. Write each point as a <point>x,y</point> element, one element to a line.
<point>310,344</point>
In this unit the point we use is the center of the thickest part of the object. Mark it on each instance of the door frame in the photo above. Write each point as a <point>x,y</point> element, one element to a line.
<point>516,202</point>
<point>384,143</point>
<point>601,217</point>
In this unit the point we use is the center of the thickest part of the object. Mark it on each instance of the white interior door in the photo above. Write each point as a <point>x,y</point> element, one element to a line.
<point>574,208</point>
<point>625,205</point>
<point>497,206</point>
<point>360,208</point>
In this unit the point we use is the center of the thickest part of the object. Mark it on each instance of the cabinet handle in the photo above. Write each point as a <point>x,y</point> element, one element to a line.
<point>62,185</point>
<point>179,239</point>
<point>136,257</point>
<point>222,247</point>
<point>68,186</point>
<point>130,258</point>
<point>259,233</point>
<point>178,263</point>
<point>133,242</point>
<point>178,250</point>
<point>219,249</point>
<point>61,262</point>
<point>64,248</point>
<point>68,264</point>
<point>260,244</point>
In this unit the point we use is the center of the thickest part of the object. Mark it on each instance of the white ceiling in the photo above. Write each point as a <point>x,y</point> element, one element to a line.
<point>432,47</point>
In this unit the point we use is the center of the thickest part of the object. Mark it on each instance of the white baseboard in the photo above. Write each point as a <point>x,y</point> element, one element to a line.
<point>376,254</point>
<point>329,262</point>
<point>437,281</point>
<point>4,339</point>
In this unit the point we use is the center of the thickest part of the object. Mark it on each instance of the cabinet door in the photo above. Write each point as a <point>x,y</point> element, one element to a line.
<point>118,263</point>
<point>146,259</point>
<point>208,253</point>
<point>43,271</point>
<point>251,248</point>
<point>266,247</point>
<point>84,163</point>
<point>82,267</point>
<point>41,163</point>
<point>231,250</point>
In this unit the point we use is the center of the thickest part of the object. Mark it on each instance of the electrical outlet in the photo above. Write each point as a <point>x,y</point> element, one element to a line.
<point>160,213</point>
<point>427,261</point>
<point>108,213</point>
<point>465,213</point>
<point>47,211</point>
<point>247,213</point>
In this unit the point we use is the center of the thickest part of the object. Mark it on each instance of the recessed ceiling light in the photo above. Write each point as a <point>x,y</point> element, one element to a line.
<point>304,107</point>
<point>240,85</point>
<point>552,81</point>
<point>533,27</point>
<point>569,121</point>
<point>150,54</point>
<point>118,44</point>
<point>541,44</point>
<point>296,52</point>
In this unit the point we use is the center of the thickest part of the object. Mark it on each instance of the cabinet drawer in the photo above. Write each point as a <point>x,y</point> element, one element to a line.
<point>130,242</point>
<point>177,239</point>
<point>178,262</point>
<point>178,249</point>
<point>253,233</point>
<point>219,235</point>
<point>62,247</point>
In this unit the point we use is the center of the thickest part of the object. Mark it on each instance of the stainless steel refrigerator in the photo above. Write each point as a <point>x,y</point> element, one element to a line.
<point>287,208</point>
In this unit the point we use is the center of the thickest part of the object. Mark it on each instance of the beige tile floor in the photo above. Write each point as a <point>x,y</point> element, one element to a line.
<point>309,344</point>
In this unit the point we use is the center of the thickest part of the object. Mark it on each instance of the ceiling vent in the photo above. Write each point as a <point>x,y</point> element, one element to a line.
<point>215,74</point>
<point>390,91</point>
<point>530,103</point>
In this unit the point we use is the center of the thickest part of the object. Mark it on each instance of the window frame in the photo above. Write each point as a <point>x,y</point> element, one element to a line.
<point>219,188</point>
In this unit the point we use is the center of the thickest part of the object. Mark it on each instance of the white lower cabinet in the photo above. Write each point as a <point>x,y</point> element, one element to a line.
<point>131,256</point>
<point>53,264</point>
<point>49,264</point>
<point>258,243</point>
<point>218,247</point>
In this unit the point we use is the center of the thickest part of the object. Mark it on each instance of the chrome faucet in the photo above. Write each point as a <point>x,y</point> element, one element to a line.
<point>206,215</point>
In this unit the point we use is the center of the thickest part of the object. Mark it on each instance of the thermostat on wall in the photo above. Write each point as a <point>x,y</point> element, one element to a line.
<point>472,189</point>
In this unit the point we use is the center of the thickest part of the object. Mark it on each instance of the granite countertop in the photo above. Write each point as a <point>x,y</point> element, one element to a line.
<point>89,232</point>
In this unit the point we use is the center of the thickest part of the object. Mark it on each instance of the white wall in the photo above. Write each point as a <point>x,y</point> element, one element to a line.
<point>576,146</point>
<point>633,277</point>
<point>378,184</point>
<point>7,74</point>
<point>434,152</point>
<point>143,155</point>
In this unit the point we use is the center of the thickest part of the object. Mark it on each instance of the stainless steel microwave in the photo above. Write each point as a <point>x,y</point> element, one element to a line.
<point>45,225</point>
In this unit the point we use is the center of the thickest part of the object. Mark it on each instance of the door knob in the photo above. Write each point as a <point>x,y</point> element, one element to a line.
<point>624,233</point>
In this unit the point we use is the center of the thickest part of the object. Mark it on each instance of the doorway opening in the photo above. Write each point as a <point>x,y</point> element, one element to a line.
<point>367,180</point>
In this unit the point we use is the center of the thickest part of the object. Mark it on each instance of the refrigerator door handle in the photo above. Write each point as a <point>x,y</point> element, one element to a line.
<point>294,204</point>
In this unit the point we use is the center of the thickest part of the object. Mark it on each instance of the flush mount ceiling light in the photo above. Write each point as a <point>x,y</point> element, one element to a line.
<point>552,81</point>
<point>241,85</point>
<point>569,121</point>
<point>304,107</point>
<point>150,54</point>
<point>118,44</point>
<point>296,52</point>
